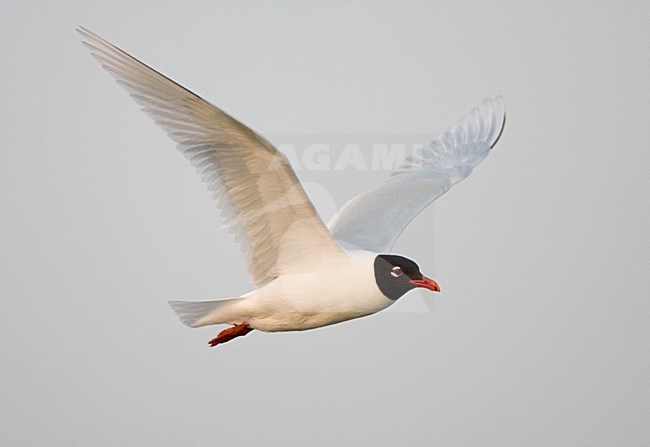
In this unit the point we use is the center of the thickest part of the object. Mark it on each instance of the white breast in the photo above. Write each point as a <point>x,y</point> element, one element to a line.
<point>340,290</point>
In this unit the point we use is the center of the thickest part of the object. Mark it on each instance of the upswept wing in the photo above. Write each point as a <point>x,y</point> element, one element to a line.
<point>255,188</point>
<point>374,219</point>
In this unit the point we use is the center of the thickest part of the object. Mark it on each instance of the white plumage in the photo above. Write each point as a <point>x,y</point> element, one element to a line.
<point>304,278</point>
<point>341,289</point>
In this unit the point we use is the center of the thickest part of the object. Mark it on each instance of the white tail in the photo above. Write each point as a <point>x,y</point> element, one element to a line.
<point>195,313</point>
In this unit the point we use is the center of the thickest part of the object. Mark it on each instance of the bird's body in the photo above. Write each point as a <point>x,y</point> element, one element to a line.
<point>342,288</point>
<point>306,275</point>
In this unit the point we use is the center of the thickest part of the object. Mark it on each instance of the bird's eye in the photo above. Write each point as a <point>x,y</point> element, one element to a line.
<point>396,272</point>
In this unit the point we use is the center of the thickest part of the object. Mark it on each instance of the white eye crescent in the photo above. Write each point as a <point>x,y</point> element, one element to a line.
<point>396,272</point>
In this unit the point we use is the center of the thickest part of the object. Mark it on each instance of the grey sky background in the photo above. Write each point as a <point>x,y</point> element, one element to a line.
<point>541,334</point>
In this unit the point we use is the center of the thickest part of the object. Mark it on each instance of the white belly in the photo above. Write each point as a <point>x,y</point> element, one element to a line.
<point>335,293</point>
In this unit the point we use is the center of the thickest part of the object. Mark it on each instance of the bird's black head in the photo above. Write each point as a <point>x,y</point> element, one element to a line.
<point>396,275</point>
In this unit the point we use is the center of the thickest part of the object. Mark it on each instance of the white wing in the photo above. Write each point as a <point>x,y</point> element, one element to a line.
<point>374,219</point>
<point>253,184</point>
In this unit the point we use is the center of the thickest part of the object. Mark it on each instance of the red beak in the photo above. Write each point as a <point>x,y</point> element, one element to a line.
<point>426,283</point>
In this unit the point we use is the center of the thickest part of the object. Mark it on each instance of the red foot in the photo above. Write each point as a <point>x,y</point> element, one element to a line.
<point>232,332</point>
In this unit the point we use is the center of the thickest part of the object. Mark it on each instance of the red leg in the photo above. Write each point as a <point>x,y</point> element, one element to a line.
<point>228,334</point>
